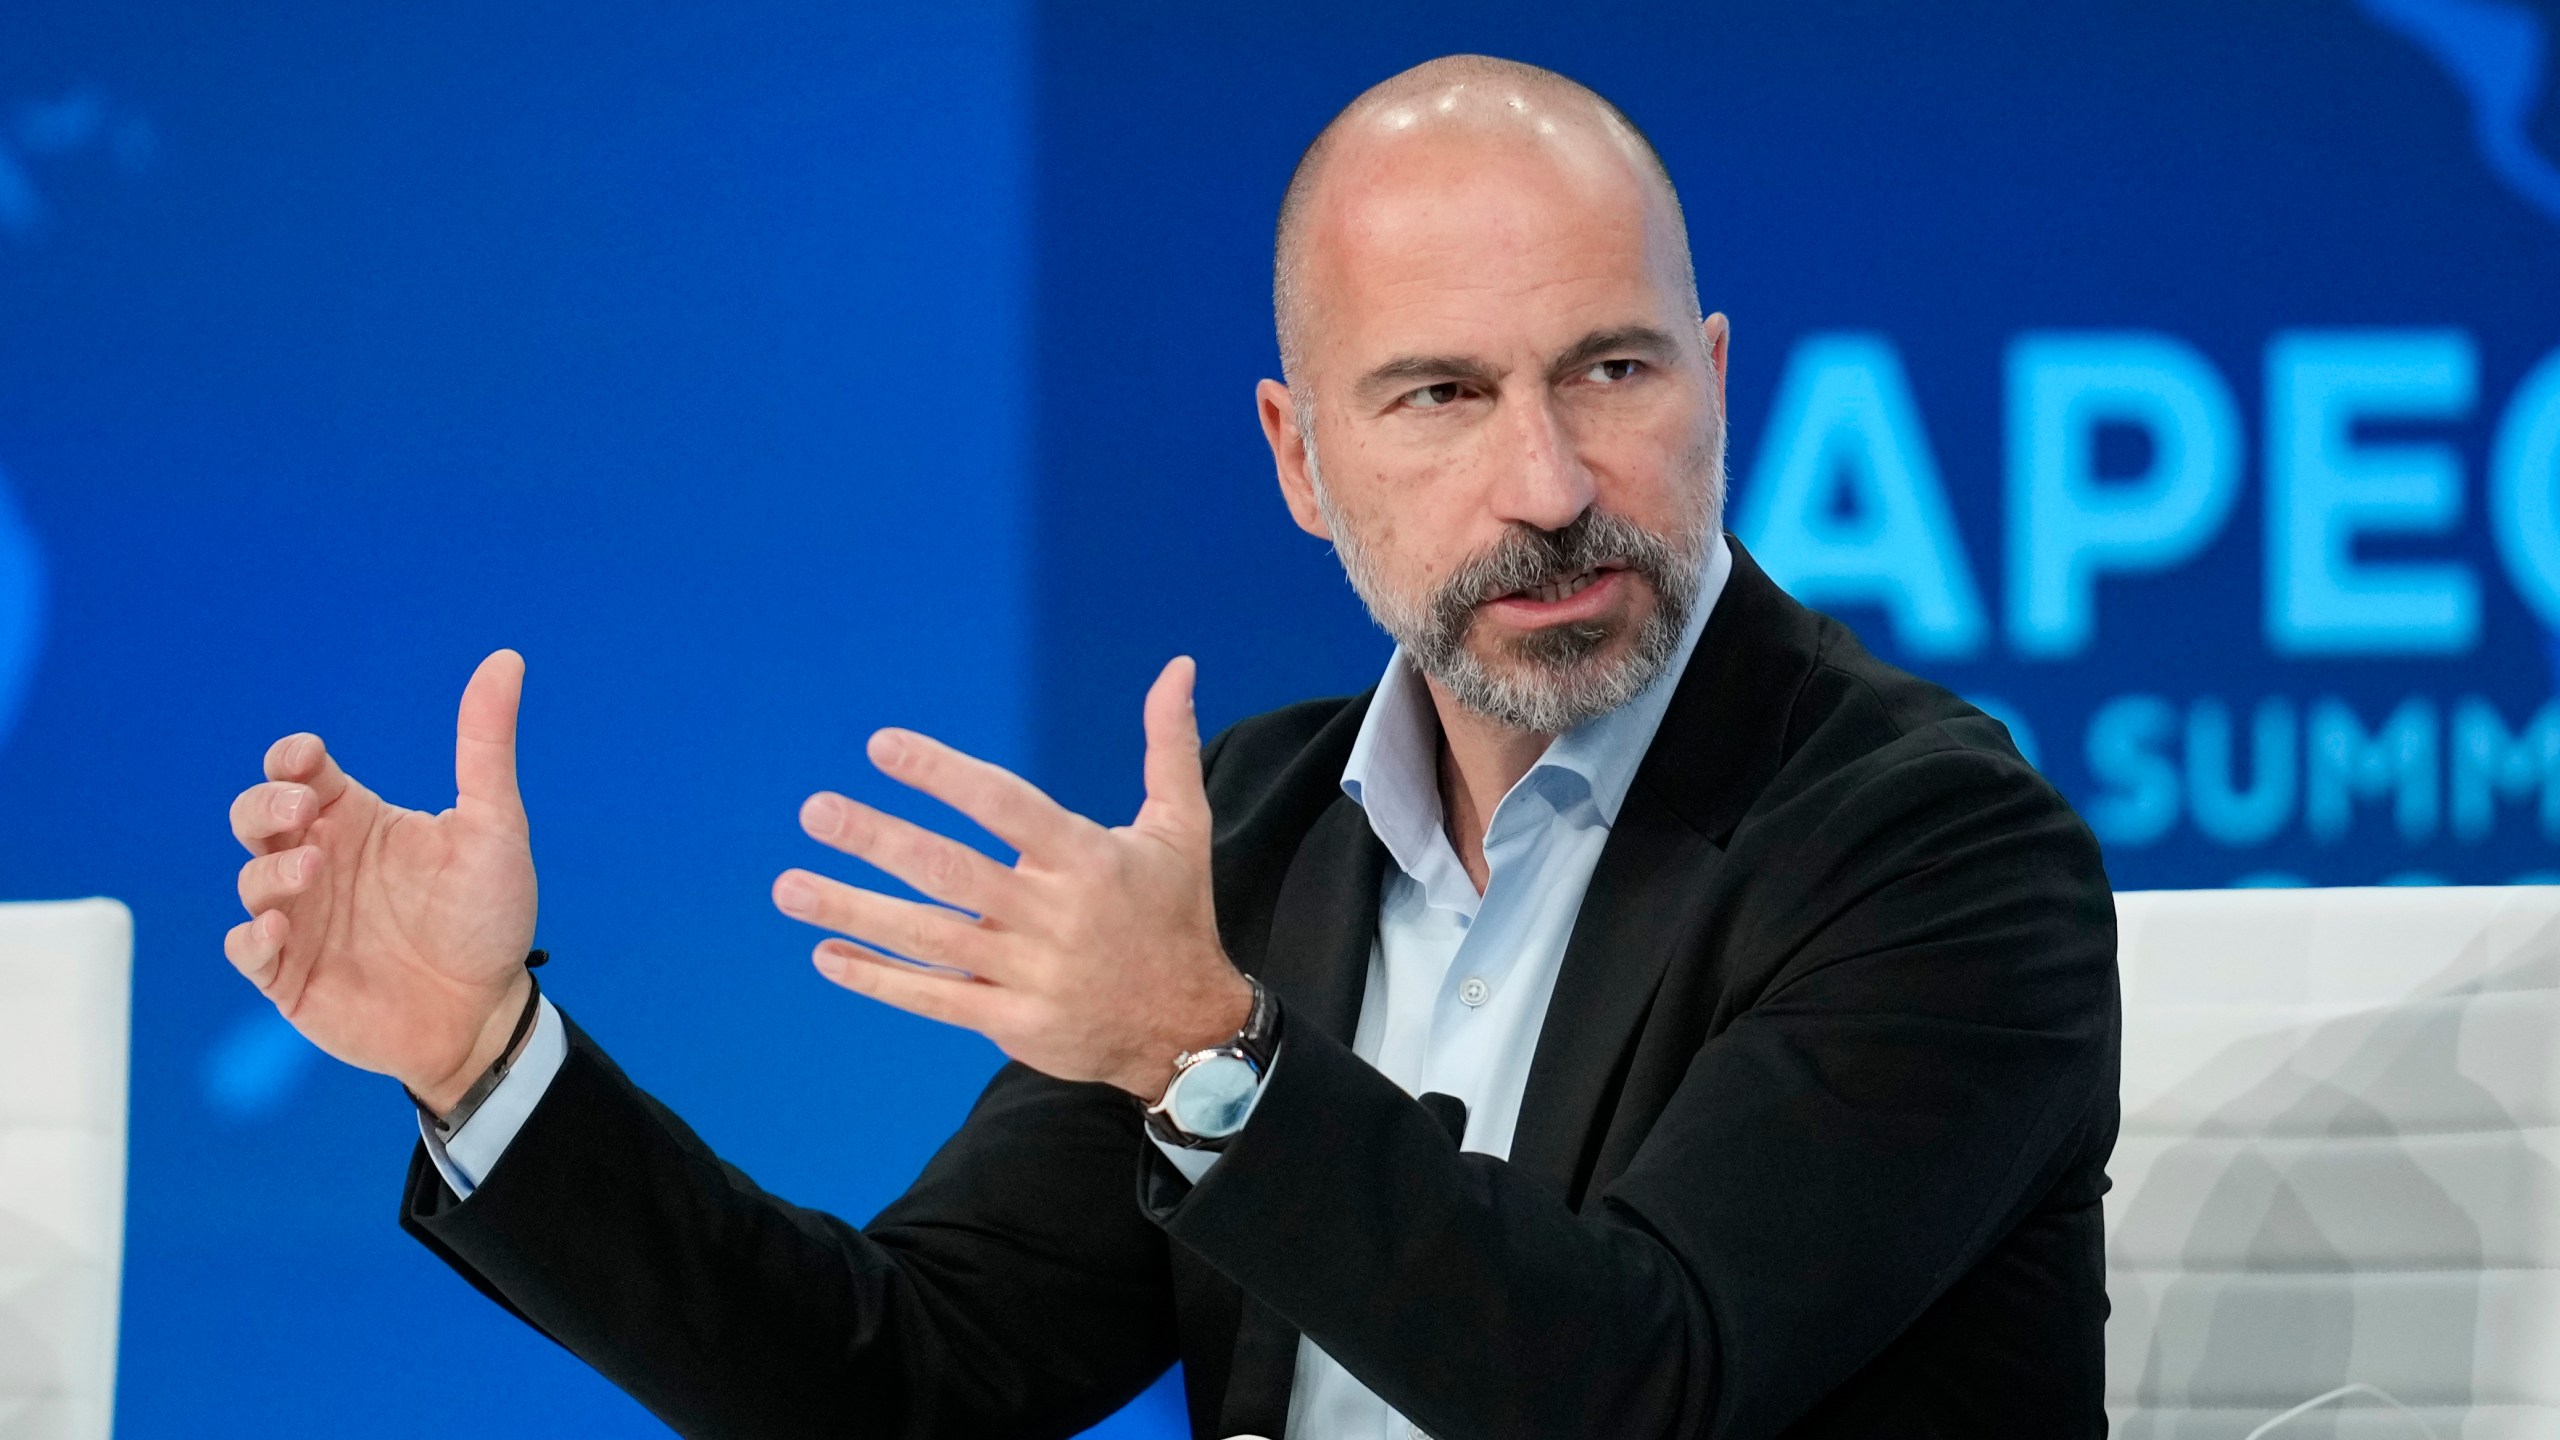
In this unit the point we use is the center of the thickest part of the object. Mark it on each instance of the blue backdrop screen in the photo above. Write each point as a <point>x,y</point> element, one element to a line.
<point>2180,380</point>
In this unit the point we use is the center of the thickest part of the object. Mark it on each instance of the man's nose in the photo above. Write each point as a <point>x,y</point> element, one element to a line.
<point>1540,478</point>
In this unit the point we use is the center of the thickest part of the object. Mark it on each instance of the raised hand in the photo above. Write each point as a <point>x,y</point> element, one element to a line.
<point>1095,956</point>
<point>394,939</point>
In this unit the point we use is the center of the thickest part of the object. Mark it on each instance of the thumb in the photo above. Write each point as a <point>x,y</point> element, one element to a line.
<point>1176,800</point>
<point>484,740</point>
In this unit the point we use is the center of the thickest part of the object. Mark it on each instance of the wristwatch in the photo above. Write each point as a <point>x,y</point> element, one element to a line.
<point>1213,1089</point>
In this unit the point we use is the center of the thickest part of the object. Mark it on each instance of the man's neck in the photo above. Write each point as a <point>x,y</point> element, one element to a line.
<point>1480,760</point>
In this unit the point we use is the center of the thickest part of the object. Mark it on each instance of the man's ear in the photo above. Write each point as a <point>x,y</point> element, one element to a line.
<point>1289,456</point>
<point>1719,337</point>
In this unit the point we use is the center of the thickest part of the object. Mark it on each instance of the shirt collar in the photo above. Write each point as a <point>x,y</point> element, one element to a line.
<point>1393,772</point>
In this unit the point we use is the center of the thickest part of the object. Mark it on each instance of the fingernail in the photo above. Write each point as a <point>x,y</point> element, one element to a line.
<point>289,807</point>
<point>291,867</point>
<point>795,895</point>
<point>888,747</point>
<point>823,815</point>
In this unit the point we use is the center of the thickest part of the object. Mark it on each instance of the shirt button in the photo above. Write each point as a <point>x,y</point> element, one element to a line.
<point>1475,991</point>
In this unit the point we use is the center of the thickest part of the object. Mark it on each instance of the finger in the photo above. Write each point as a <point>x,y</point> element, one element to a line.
<point>271,880</point>
<point>951,999</point>
<point>934,864</point>
<point>1175,798</point>
<point>484,737</point>
<point>1012,808</point>
<point>272,815</point>
<point>255,947</point>
<point>919,932</point>
<point>304,759</point>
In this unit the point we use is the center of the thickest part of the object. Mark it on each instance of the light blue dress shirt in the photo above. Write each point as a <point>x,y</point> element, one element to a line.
<point>1458,981</point>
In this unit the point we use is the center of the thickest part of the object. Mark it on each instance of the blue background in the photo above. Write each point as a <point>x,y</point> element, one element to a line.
<point>772,374</point>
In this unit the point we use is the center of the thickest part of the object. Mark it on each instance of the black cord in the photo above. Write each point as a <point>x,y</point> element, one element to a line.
<point>482,1088</point>
<point>524,1022</point>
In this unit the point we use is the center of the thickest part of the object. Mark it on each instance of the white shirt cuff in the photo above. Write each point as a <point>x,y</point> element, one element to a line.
<point>466,1159</point>
<point>1194,1164</point>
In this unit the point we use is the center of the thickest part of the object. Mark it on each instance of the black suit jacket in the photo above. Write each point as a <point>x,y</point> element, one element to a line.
<point>1812,1146</point>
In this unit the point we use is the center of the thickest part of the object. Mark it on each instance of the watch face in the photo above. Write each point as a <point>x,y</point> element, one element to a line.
<point>1211,1098</point>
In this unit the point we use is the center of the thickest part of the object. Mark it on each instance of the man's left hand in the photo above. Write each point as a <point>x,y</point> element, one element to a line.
<point>1094,956</point>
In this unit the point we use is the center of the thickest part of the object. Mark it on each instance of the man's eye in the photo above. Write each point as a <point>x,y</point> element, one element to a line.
<point>1610,372</point>
<point>1432,397</point>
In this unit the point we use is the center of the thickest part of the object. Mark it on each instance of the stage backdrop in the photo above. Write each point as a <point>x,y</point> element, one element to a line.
<point>2177,379</point>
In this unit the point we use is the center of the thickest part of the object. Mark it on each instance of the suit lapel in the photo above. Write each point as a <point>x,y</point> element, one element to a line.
<point>1324,921</point>
<point>1317,961</point>
<point>1643,906</point>
<point>1721,740</point>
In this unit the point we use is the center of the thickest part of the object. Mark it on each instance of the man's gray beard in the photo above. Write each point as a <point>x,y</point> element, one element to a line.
<point>1558,679</point>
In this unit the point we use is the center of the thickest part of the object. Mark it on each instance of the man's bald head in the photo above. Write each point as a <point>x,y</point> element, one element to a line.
<point>1458,97</point>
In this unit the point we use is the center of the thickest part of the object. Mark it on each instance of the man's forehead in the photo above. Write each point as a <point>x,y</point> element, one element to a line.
<point>1506,318</point>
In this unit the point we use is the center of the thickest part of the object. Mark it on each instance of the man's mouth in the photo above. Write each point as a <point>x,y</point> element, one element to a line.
<point>1564,588</point>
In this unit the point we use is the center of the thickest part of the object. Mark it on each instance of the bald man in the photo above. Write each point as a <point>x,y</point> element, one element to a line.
<point>1641,1014</point>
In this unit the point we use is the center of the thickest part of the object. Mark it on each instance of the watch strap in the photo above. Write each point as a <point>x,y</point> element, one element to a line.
<point>1260,1037</point>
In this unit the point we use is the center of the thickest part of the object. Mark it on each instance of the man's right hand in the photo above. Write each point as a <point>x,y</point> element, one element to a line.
<point>394,939</point>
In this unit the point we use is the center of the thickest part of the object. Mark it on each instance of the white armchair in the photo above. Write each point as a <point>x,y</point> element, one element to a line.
<point>2340,1165</point>
<point>66,974</point>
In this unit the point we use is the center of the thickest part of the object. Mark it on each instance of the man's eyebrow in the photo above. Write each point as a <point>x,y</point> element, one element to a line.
<point>1407,371</point>
<point>1640,340</point>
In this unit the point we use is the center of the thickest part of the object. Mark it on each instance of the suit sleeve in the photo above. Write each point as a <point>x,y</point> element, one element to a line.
<point>1013,1290</point>
<point>1918,1070</point>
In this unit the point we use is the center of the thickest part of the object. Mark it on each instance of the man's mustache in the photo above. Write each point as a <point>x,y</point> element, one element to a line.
<point>1530,559</point>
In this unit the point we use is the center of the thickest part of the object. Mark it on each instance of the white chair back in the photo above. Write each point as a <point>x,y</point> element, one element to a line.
<point>66,972</point>
<point>2340,1165</point>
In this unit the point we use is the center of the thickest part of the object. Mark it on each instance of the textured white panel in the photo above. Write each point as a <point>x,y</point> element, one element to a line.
<point>2340,1162</point>
<point>2259,1070</point>
<point>2406,1202</point>
<point>65,1000</point>
<point>2269,1340</point>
